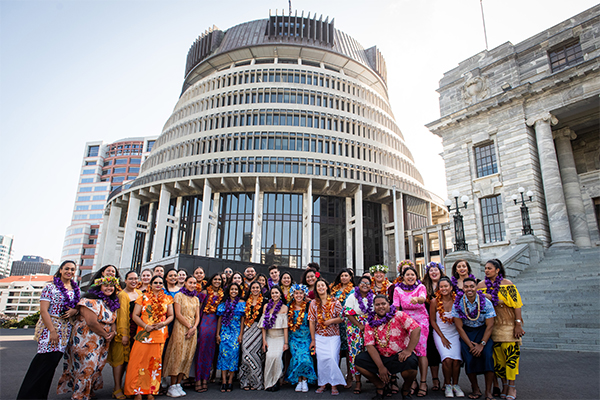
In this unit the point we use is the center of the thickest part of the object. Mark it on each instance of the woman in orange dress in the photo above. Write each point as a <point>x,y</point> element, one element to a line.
<point>152,313</point>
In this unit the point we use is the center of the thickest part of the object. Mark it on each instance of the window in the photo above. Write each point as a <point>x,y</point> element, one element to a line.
<point>80,216</point>
<point>83,198</point>
<point>88,171</point>
<point>485,160</point>
<point>134,170</point>
<point>90,163</point>
<point>135,161</point>
<point>492,219</point>
<point>118,179</point>
<point>95,216</point>
<point>120,161</point>
<point>87,180</point>
<point>97,207</point>
<point>120,170</point>
<point>81,208</point>
<point>93,151</point>
<point>102,197</point>
<point>565,55</point>
<point>99,188</point>
<point>150,145</point>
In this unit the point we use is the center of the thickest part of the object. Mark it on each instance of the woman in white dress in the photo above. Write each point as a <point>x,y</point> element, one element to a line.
<point>446,337</point>
<point>274,325</point>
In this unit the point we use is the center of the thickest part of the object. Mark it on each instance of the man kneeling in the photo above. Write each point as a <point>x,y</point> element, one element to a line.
<point>390,339</point>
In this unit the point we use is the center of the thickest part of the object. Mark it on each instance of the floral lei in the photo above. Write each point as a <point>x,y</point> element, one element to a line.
<point>320,317</point>
<point>454,281</point>
<point>368,309</point>
<point>493,288</point>
<point>271,317</point>
<point>229,310</point>
<point>374,323</point>
<point>408,288</point>
<point>112,304</point>
<point>212,299</point>
<point>200,285</point>
<point>440,307</point>
<point>293,326</point>
<point>473,315</point>
<point>270,283</point>
<point>251,313</point>
<point>190,293</point>
<point>345,291</point>
<point>398,280</point>
<point>156,302</point>
<point>67,302</point>
<point>384,286</point>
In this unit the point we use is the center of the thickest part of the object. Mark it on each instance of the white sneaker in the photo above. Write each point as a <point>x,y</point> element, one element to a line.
<point>305,386</point>
<point>458,391</point>
<point>299,386</point>
<point>173,392</point>
<point>448,391</point>
<point>180,389</point>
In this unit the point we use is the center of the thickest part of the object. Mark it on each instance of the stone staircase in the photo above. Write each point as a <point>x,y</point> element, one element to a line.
<point>561,297</point>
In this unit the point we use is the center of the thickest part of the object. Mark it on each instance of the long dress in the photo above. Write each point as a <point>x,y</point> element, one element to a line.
<point>180,351</point>
<point>145,358</point>
<point>344,323</point>
<point>418,312</point>
<point>117,353</point>
<point>354,335</point>
<point>275,341</point>
<point>301,363</point>
<point>229,349</point>
<point>86,357</point>
<point>450,332</point>
<point>207,342</point>
<point>251,371</point>
<point>38,378</point>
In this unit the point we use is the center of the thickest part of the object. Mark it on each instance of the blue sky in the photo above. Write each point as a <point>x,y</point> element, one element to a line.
<point>77,71</point>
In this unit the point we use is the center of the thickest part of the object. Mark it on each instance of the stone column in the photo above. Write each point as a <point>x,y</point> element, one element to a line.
<point>349,228</point>
<point>442,243</point>
<point>176,219</point>
<point>212,237</point>
<point>397,232</point>
<point>411,246</point>
<point>572,190</point>
<point>204,219</point>
<point>307,202</point>
<point>147,244</point>
<point>556,207</point>
<point>426,247</point>
<point>385,219</point>
<point>133,210</point>
<point>158,247</point>
<point>111,230</point>
<point>358,232</point>
<point>257,225</point>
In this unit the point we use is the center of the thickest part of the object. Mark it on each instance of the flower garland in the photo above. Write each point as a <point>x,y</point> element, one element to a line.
<point>433,264</point>
<point>366,309</point>
<point>200,285</point>
<point>230,307</point>
<point>440,307</point>
<point>384,287</point>
<point>473,315</point>
<point>270,318</point>
<point>320,317</point>
<point>398,280</point>
<point>408,288</point>
<point>403,263</point>
<point>112,304</point>
<point>345,291</point>
<point>212,299</point>
<point>293,326</point>
<point>374,323</point>
<point>187,292</point>
<point>156,304</point>
<point>67,302</point>
<point>286,292</point>
<point>251,312</point>
<point>493,288</point>
<point>454,281</point>
<point>271,283</point>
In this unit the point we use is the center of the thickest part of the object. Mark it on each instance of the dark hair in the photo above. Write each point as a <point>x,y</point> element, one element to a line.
<point>185,271</point>
<point>167,272</point>
<point>445,279</point>
<point>410,269</point>
<point>429,283</point>
<point>272,267</point>
<point>306,272</point>
<point>146,269</point>
<point>92,293</point>
<point>338,278</point>
<point>155,277</point>
<point>498,265</point>
<point>197,268</point>
<point>286,273</point>
<point>157,266</point>
<point>313,265</point>
<point>367,277</point>
<point>100,272</point>
<point>212,278</point>
<point>189,277</point>
<point>250,288</point>
<point>129,273</point>
<point>469,279</point>
<point>62,264</point>
<point>264,276</point>
<point>236,273</point>
<point>228,291</point>
<point>278,288</point>
<point>381,296</point>
<point>454,273</point>
<point>326,284</point>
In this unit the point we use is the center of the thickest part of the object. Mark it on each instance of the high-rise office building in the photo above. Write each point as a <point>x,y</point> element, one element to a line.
<point>104,168</point>
<point>31,265</point>
<point>6,254</point>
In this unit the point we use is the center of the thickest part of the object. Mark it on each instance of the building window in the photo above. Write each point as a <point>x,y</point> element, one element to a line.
<point>329,232</point>
<point>121,161</point>
<point>282,229</point>
<point>93,151</point>
<point>485,160</point>
<point>565,55</point>
<point>492,219</point>
<point>234,229</point>
<point>150,145</point>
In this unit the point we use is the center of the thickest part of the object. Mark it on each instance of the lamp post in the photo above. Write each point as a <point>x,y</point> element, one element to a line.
<point>524,210</point>
<point>459,228</point>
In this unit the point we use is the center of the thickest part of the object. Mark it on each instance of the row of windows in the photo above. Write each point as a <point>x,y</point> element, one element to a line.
<point>92,207</point>
<point>93,198</point>
<point>74,231</point>
<point>121,170</point>
<point>122,161</point>
<point>86,216</point>
<point>72,241</point>
<point>95,189</point>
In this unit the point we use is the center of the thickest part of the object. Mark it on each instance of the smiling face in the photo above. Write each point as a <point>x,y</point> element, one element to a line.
<point>190,284</point>
<point>237,278</point>
<point>249,273</point>
<point>146,276</point>
<point>381,306</point>
<point>233,291</point>
<point>228,272</point>
<point>345,278</point>
<point>275,295</point>
<point>435,274</point>
<point>217,281</point>
<point>172,277</point>
<point>379,276</point>
<point>131,281</point>
<point>286,280</point>
<point>469,289</point>
<point>159,271</point>
<point>157,285</point>
<point>67,272</point>
<point>321,288</point>
<point>299,295</point>
<point>445,288</point>
<point>274,274</point>
<point>181,275</point>
<point>262,281</point>
<point>364,286</point>
<point>107,289</point>
<point>110,271</point>
<point>462,270</point>
<point>410,277</point>
<point>311,278</point>
<point>255,289</point>
<point>199,274</point>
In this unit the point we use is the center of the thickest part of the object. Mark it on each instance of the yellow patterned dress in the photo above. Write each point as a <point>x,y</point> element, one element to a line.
<point>507,349</point>
<point>180,351</point>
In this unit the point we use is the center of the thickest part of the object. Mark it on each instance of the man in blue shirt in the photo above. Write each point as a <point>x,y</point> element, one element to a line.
<point>473,317</point>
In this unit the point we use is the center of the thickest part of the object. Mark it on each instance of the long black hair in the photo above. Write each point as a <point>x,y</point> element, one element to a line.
<point>454,273</point>
<point>62,264</point>
<point>498,265</point>
<point>338,278</point>
<point>100,272</point>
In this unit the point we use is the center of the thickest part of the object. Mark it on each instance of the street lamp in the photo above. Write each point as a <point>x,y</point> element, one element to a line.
<point>524,210</point>
<point>459,229</point>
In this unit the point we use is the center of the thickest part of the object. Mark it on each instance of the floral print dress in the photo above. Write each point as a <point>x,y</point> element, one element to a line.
<point>418,312</point>
<point>229,349</point>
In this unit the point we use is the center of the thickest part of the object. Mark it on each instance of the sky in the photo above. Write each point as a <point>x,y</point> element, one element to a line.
<point>87,70</point>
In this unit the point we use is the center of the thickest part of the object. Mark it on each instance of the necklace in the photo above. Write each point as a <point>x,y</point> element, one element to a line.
<point>212,299</point>
<point>384,286</point>
<point>374,323</point>
<point>156,302</point>
<point>493,288</point>
<point>408,288</point>
<point>344,293</point>
<point>365,309</point>
<point>440,307</point>
<point>323,316</point>
<point>480,298</point>
<point>187,292</point>
<point>454,281</point>
<point>383,343</point>
<point>251,312</point>
<point>294,325</point>
<point>67,301</point>
<point>112,304</point>
<point>230,306</point>
<point>270,318</point>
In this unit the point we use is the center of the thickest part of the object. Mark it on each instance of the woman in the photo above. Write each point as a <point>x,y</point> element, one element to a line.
<point>205,351</point>
<point>200,276</point>
<point>301,368</point>
<point>309,278</point>
<point>341,286</point>
<point>358,307</point>
<point>181,348</point>
<point>446,337</point>
<point>461,270</point>
<point>411,295</point>
<point>262,279</point>
<point>380,282</point>
<point>274,327</point>
<point>400,269</point>
<point>433,272</point>
<point>144,281</point>
<point>171,283</point>
<point>181,277</point>
<point>58,304</point>
<point>229,334</point>
<point>508,324</point>
<point>118,355</point>
<point>324,316</point>
<point>92,333</point>
<point>251,373</point>
<point>107,270</point>
<point>238,278</point>
<point>152,313</point>
<point>285,283</point>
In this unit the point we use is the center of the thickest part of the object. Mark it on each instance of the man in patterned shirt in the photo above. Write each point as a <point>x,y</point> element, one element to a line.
<point>389,348</point>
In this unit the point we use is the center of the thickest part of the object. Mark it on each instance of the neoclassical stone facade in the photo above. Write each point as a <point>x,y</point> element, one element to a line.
<point>282,149</point>
<point>527,115</point>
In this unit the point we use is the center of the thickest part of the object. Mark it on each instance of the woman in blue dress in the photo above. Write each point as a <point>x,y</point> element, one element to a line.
<point>229,334</point>
<point>301,367</point>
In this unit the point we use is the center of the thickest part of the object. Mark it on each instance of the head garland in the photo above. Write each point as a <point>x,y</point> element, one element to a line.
<point>433,264</point>
<point>379,268</point>
<point>403,263</point>
<point>298,286</point>
<point>107,280</point>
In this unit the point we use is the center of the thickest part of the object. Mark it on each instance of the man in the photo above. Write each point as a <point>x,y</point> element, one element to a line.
<point>474,320</point>
<point>314,266</point>
<point>249,275</point>
<point>389,349</point>
<point>273,276</point>
<point>158,270</point>
<point>228,272</point>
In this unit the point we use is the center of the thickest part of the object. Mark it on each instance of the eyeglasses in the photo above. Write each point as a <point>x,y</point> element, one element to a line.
<point>364,283</point>
<point>157,283</point>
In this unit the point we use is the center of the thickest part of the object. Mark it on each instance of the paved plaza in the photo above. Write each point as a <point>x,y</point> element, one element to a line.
<point>544,375</point>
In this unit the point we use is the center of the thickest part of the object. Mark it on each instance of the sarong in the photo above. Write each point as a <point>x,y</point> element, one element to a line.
<point>328,360</point>
<point>483,363</point>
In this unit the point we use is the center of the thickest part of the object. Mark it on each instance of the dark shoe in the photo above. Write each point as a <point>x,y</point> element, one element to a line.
<point>379,394</point>
<point>223,388</point>
<point>229,387</point>
<point>495,392</point>
<point>422,392</point>
<point>435,387</point>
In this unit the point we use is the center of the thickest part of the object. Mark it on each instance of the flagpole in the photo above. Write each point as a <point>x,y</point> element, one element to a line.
<point>483,19</point>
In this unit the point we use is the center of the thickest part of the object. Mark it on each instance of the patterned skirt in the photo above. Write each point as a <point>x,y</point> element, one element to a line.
<point>251,371</point>
<point>144,369</point>
<point>356,342</point>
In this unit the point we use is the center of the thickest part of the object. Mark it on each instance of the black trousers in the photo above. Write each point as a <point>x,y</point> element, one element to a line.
<point>38,378</point>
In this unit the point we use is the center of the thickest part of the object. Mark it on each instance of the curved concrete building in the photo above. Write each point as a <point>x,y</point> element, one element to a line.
<point>282,149</point>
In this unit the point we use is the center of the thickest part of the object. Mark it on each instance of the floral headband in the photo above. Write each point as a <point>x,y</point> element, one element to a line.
<point>107,280</point>
<point>379,268</point>
<point>433,264</point>
<point>403,263</point>
<point>298,286</point>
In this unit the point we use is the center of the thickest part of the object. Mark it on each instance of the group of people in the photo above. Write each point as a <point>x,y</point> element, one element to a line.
<point>168,329</point>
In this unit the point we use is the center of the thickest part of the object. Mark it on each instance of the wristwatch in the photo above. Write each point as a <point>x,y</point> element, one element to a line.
<point>482,343</point>
<point>519,321</point>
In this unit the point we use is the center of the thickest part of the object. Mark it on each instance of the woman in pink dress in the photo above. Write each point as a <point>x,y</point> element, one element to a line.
<point>411,295</point>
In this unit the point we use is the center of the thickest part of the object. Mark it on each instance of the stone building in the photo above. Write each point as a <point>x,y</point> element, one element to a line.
<point>282,148</point>
<point>527,115</point>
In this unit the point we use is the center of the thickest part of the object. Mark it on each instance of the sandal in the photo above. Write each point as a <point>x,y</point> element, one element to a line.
<point>475,395</point>
<point>422,390</point>
<point>434,387</point>
<point>118,394</point>
<point>223,388</point>
<point>321,389</point>
<point>394,383</point>
<point>334,392</point>
<point>229,387</point>
<point>378,395</point>
<point>357,387</point>
<point>510,396</point>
